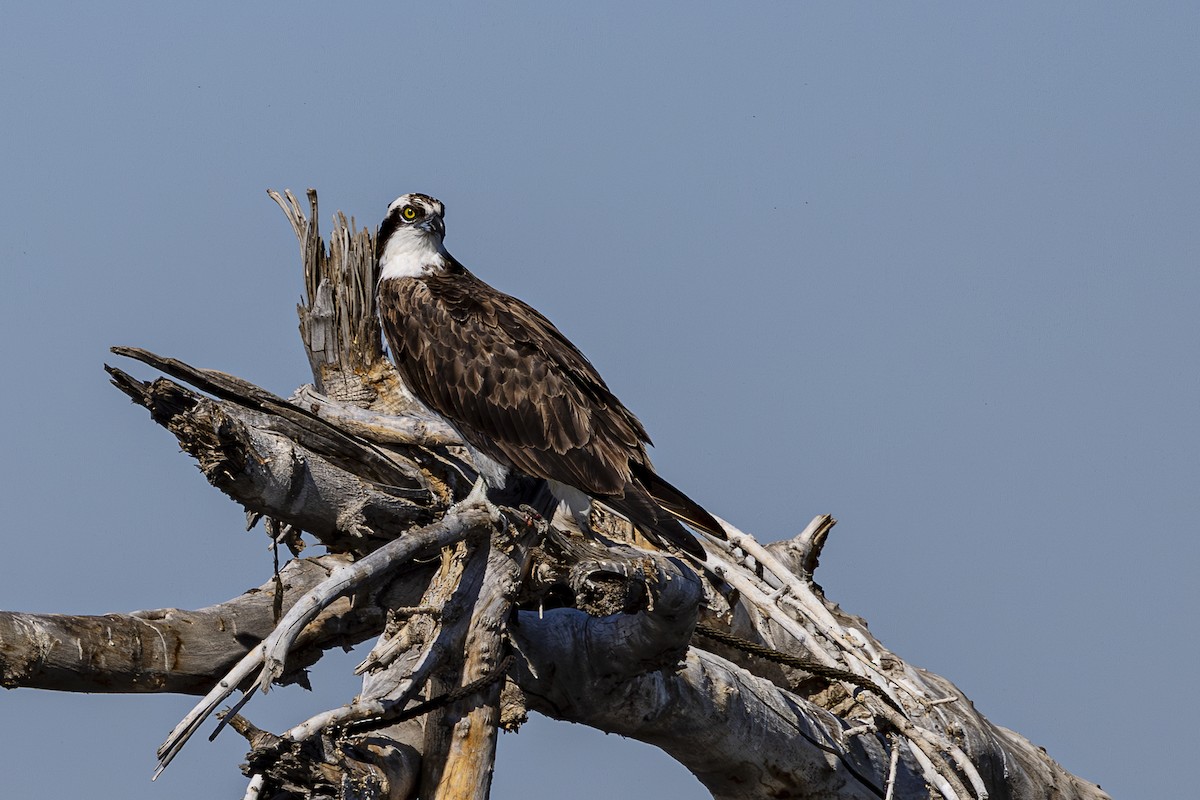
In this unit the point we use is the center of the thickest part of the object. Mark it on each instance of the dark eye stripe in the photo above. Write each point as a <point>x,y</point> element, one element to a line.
<point>389,225</point>
<point>397,217</point>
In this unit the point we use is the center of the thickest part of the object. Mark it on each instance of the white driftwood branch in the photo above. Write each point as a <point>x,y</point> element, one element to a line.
<point>241,673</point>
<point>728,714</point>
<point>405,427</point>
<point>842,645</point>
<point>254,788</point>
<point>257,459</point>
<point>389,688</point>
<point>267,659</point>
<point>460,740</point>
<point>471,516</point>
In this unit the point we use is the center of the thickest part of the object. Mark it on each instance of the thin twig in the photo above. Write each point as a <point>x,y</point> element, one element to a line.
<point>458,582</point>
<point>178,737</point>
<point>470,515</point>
<point>893,762</point>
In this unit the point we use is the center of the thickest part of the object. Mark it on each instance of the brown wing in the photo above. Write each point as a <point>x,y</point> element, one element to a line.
<point>520,392</point>
<point>511,383</point>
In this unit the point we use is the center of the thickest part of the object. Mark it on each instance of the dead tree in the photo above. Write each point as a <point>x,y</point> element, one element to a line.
<point>739,667</point>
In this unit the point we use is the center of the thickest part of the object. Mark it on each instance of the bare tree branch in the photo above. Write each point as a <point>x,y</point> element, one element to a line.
<point>265,661</point>
<point>241,451</point>
<point>174,650</point>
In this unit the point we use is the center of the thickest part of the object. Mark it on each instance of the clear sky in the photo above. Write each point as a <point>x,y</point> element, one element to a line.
<point>931,268</point>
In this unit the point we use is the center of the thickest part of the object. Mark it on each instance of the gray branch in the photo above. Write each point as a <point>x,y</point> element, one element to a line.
<point>175,650</point>
<point>275,467</point>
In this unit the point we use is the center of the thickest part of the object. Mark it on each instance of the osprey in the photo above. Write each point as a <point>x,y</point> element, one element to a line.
<point>517,391</point>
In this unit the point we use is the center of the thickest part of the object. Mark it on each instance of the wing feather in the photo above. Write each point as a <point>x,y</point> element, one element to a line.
<point>458,343</point>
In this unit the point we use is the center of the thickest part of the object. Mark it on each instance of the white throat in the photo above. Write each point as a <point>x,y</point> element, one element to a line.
<point>411,253</point>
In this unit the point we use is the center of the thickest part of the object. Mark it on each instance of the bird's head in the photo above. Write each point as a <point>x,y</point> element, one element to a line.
<point>409,243</point>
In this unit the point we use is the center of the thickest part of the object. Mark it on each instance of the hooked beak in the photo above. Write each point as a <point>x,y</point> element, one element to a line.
<point>435,224</point>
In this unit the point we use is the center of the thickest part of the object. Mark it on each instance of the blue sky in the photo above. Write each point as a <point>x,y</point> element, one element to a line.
<point>931,269</point>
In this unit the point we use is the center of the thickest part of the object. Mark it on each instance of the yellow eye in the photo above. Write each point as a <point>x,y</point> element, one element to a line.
<point>409,213</point>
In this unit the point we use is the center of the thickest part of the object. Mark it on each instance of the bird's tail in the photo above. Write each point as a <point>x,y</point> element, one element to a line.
<point>676,502</point>
<point>653,521</point>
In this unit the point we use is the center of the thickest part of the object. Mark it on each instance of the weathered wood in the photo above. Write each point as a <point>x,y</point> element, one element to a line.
<point>241,452</point>
<point>338,323</point>
<point>407,428</point>
<point>460,742</point>
<point>408,654</point>
<point>745,737</point>
<point>601,631</point>
<point>175,650</point>
<point>771,741</point>
<point>266,660</point>
<point>296,423</point>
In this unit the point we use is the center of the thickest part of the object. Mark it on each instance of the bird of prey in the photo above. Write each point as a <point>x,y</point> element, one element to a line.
<point>520,395</point>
